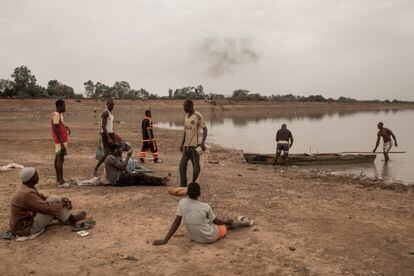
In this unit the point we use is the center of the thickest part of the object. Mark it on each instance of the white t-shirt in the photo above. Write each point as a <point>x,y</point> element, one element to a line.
<point>198,218</point>
<point>192,128</point>
<point>109,122</point>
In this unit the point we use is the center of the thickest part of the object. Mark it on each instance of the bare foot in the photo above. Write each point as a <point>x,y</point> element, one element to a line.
<point>166,179</point>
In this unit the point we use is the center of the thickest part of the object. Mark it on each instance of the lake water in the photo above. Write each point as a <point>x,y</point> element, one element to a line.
<point>316,131</point>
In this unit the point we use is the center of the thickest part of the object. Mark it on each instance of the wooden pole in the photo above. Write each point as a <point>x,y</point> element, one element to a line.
<point>366,152</point>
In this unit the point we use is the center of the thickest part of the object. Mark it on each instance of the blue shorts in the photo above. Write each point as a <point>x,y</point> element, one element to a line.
<point>282,147</point>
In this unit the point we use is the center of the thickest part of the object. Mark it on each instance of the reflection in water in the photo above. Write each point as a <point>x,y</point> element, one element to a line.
<point>316,131</point>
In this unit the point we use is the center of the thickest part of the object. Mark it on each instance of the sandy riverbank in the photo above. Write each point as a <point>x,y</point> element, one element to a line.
<point>337,226</point>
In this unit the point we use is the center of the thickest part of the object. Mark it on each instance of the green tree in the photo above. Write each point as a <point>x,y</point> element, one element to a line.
<point>121,90</point>
<point>89,88</point>
<point>55,89</point>
<point>6,88</point>
<point>102,91</point>
<point>23,78</point>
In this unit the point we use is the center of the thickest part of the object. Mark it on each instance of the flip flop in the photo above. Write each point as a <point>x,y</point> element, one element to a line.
<point>245,221</point>
<point>85,225</point>
<point>31,237</point>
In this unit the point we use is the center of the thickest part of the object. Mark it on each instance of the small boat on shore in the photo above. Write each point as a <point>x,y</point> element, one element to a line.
<point>310,159</point>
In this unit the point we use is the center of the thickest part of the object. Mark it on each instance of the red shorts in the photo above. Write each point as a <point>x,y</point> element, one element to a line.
<point>222,229</point>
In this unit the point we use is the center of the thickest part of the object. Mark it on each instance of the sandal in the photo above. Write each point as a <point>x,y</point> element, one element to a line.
<point>245,221</point>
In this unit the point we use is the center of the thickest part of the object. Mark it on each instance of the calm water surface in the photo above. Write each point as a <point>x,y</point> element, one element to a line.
<point>324,131</point>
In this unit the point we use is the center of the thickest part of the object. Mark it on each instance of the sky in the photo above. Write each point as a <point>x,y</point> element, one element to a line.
<point>356,48</point>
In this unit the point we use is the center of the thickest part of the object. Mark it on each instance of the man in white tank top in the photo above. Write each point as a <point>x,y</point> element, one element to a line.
<point>107,131</point>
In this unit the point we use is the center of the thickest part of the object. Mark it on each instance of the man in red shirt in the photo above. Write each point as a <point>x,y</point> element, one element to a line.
<point>60,135</point>
<point>386,135</point>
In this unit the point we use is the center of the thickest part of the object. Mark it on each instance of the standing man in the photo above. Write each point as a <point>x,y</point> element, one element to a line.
<point>107,132</point>
<point>284,140</point>
<point>193,122</point>
<point>60,135</point>
<point>148,138</point>
<point>386,135</point>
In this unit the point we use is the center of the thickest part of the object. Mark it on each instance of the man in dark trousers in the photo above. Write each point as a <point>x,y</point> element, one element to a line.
<point>60,136</point>
<point>386,135</point>
<point>148,138</point>
<point>107,131</point>
<point>193,123</point>
<point>117,174</point>
<point>284,140</point>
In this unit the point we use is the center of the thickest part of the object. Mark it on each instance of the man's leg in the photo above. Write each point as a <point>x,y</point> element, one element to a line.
<point>136,179</point>
<point>56,169</point>
<point>143,153</point>
<point>154,150</point>
<point>195,160</point>
<point>95,171</point>
<point>285,151</point>
<point>42,220</point>
<point>183,167</point>
<point>59,168</point>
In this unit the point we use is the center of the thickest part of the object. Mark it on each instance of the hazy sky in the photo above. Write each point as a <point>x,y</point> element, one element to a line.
<point>355,48</point>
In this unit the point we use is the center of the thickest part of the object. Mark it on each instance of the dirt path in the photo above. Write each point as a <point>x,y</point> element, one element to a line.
<point>333,225</point>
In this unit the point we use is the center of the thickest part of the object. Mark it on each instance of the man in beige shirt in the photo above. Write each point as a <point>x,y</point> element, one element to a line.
<point>193,123</point>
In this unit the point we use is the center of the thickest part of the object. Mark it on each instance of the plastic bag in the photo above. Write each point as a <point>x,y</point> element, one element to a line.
<point>100,151</point>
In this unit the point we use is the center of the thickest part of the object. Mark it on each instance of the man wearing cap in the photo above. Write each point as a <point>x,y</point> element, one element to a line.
<point>31,211</point>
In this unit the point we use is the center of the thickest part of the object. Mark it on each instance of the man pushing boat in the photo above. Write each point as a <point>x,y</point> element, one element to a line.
<point>386,135</point>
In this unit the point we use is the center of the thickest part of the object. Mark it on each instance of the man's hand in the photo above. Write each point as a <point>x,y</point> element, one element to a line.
<point>374,150</point>
<point>63,147</point>
<point>181,148</point>
<point>202,146</point>
<point>129,153</point>
<point>159,242</point>
<point>67,203</point>
<point>68,130</point>
<point>396,144</point>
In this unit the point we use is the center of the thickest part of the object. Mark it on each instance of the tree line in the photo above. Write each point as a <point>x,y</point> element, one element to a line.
<point>23,84</point>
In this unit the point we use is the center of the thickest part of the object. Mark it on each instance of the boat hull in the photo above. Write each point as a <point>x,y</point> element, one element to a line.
<point>307,159</point>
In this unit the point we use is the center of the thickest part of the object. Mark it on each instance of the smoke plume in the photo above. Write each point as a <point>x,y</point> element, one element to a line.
<point>222,56</point>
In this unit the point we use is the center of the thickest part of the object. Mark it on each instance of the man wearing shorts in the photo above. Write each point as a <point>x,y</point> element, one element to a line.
<point>386,135</point>
<point>60,136</point>
<point>284,140</point>
<point>107,132</point>
<point>202,224</point>
<point>148,138</point>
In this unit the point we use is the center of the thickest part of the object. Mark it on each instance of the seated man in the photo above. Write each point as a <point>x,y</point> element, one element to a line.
<point>202,224</point>
<point>117,174</point>
<point>31,211</point>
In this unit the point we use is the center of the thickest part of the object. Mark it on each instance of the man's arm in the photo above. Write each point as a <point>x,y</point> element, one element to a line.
<point>171,232</point>
<point>395,138</point>
<point>35,203</point>
<point>203,141</point>
<point>377,143</point>
<point>277,136</point>
<point>148,128</point>
<point>104,117</point>
<point>291,139</point>
<point>120,165</point>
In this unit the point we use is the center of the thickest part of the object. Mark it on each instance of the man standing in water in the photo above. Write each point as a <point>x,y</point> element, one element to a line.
<point>193,122</point>
<point>284,140</point>
<point>107,132</point>
<point>386,135</point>
<point>60,136</point>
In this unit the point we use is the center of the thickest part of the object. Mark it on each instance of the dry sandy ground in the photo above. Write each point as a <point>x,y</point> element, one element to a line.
<point>335,226</point>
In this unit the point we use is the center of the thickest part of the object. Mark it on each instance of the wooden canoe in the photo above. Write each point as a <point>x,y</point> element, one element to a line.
<point>310,159</point>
